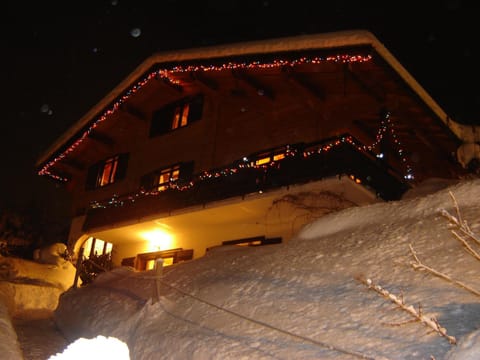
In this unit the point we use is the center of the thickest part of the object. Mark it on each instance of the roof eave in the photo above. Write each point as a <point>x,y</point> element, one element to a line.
<point>294,43</point>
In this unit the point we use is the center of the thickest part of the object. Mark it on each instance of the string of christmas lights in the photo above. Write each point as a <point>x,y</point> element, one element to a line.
<point>169,76</point>
<point>245,163</point>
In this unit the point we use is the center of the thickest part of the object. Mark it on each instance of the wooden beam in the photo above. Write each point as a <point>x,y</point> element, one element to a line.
<point>349,74</point>
<point>307,87</point>
<point>364,133</point>
<point>133,111</point>
<point>251,82</point>
<point>74,164</point>
<point>177,87</point>
<point>204,81</point>
<point>101,138</point>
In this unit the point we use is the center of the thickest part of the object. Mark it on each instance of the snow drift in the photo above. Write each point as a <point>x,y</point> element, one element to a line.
<point>301,299</point>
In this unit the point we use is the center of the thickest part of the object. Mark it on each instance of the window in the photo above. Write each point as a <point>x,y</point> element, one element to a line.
<point>107,174</point>
<point>161,179</point>
<point>180,116</point>
<point>267,158</point>
<point>96,247</point>
<point>96,258</point>
<point>107,171</point>
<point>146,261</point>
<point>253,241</point>
<point>176,115</point>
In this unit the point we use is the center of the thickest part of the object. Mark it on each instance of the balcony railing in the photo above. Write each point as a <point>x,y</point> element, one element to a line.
<point>260,172</point>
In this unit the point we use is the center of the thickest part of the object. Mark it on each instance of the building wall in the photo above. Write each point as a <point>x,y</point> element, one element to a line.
<point>278,214</point>
<point>230,129</point>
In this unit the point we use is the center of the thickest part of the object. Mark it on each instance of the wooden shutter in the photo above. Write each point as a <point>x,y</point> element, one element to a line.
<point>186,171</point>
<point>121,167</point>
<point>196,109</point>
<point>92,176</point>
<point>162,121</point>
<point>147,181</point>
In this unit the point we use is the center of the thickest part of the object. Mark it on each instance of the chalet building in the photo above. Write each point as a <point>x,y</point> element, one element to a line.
<point>245,143</point>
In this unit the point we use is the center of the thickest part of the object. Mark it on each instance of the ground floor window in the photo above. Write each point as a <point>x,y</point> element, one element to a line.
<point>253,241</point>
<point>95,259</point>
<point>146,261</point>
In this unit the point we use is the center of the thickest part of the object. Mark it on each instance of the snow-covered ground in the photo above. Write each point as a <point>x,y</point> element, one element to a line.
<point>315,297</point>
<point>29,293</point>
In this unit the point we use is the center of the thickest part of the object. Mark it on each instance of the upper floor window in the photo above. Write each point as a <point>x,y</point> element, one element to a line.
<point>269,157</point>
<point>165,176</point>
<point>176,115</point>
<point>162,179</point>
<point>107,171</point>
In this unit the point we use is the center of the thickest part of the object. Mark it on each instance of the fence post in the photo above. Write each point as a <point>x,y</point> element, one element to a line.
<point>158,272</point>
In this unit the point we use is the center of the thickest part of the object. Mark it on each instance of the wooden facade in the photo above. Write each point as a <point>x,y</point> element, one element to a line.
<point>190,127</point>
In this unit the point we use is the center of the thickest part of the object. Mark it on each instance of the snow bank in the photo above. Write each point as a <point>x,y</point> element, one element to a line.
<point>28,288</point>
<point>37,286</point>
<point>97,348</point>
<point>9,346</point>
<point>302,299</point>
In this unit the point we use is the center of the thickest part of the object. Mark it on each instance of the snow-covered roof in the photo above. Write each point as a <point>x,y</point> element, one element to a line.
<point>324,41</point>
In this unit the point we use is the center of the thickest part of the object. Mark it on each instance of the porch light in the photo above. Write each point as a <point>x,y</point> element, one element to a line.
<point>158,239</point>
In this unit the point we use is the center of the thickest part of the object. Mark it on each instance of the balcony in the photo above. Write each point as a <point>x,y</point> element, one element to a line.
<point>261,172</point>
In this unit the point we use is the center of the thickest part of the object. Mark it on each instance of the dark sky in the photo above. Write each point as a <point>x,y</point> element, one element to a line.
<point>62,57</point>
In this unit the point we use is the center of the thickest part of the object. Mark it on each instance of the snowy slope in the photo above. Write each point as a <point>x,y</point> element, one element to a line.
<point>302,299</point>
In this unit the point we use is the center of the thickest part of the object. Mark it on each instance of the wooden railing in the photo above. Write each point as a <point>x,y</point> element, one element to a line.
<point>344,159</point>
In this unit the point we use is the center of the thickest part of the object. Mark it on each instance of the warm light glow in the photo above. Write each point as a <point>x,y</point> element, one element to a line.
<point>158,240</point>
<point>169,76</point>
<point>100,247</point>
<point>167,176</point>
<point>262,161</point>
<point>109,170</point>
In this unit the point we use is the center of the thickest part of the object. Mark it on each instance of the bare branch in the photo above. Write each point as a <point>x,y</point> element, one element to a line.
<point>430,322</point>
<point>467,246</point>
<point>418,265</point>
<point>458,222</point>
<point>457,209</point>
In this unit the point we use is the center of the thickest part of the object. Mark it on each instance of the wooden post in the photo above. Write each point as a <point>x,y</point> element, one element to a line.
<point>158,273</point>
<point>78,267</point>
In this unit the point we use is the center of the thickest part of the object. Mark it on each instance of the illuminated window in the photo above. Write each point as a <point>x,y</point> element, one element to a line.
<point>146,261</point>
<point>161,179</point>
<point>267,158</point>
<point>166,176</point>
<point>180,116</point>
<point>96,247</point>
<point>150,264</point>
<point>176,115</point>
<point>96,258</point>
<point>262,161</point>
<point>107,172</point>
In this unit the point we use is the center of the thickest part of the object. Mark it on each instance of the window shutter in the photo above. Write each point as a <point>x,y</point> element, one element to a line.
<point>121,167</point>
<point>147,181</point>
<point>186,171</point>
<point>161,121</point>
<point>196,109</point>
<point>92,176</point>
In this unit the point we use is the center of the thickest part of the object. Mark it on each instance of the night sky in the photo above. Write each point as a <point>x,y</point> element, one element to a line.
<point>62,57</point>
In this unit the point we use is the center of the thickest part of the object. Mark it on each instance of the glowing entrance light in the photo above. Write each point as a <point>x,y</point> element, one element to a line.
<point>158,239</point>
